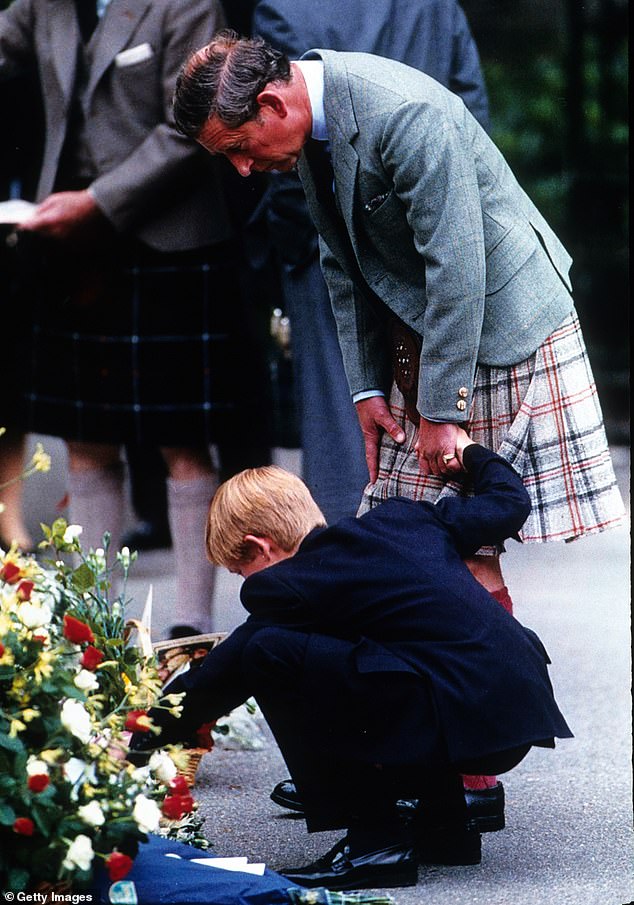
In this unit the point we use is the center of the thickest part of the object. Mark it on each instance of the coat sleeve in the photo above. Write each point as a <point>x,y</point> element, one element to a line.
<point>16,39</point>
<point>497,511</point>
<point>466,78</point>
<point>126,190</point>
<point>426,150</point>
<point>361,333</point>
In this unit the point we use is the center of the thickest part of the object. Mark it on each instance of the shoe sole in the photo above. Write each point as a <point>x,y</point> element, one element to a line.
<point>394,879</point>
<point>287,803</point>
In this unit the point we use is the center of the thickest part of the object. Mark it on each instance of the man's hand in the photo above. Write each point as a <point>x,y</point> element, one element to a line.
<point>375,418</point>
<point>63,214</point>
<point>437,448</point>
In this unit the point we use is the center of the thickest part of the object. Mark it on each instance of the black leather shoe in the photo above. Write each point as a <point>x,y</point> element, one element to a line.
<point>396,865</point>
<point>147,536</point>
<point>485,808</point>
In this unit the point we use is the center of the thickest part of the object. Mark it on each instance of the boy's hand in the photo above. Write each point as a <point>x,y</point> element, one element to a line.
<point>462,441</point>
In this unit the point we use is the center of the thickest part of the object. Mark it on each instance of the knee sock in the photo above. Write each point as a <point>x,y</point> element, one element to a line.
<point>478,783</point>
<point>188,503</point>
<point>96,502</point>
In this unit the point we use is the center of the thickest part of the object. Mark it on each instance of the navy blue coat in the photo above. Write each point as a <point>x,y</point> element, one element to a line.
<point>393,586</point>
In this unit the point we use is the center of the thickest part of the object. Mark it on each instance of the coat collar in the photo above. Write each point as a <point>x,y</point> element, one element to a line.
<point>120,20</point>
<point>64,38</point>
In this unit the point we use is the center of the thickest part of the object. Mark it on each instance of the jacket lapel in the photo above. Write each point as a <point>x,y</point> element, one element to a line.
<point>113,33</point>
<point>63,32</point>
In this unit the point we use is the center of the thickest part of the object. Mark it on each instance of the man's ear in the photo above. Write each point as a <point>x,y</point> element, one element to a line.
<point>273,100</point>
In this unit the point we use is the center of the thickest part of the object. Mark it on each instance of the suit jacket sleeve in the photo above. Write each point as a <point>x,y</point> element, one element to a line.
<point>361,332</point>
<point>438,187</point>
<point>466,77</point>
<point>497,511</point>
<point>126,191</point>
<point>16,45</point>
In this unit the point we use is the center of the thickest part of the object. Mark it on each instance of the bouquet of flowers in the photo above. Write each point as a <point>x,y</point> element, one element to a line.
<point>71,692</point>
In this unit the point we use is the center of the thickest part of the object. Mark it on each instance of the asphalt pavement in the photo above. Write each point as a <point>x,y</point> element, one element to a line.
<point>568,839</point>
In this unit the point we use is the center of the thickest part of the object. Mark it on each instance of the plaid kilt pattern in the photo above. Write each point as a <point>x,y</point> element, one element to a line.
<point>543,416</point>
<point>142,347</point>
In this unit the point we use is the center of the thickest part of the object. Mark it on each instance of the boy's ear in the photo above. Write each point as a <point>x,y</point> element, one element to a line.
<point>258,546</point>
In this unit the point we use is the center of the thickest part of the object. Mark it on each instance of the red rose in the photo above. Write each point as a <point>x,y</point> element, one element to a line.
<point>23,826</point>
<point>41,639</point>
<point>10,572</point>
<point>118,865</point>
<point>24,590</point>
<point>91,658</point>
<point>77,631</point>
<point>179,785</point>
<point>1,648</point>
<point>38,782</point>
<point>138,721</point>
<point>176,806</point>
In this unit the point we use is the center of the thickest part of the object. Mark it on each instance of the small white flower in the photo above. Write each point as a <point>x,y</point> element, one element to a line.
<point>72,533</point>
<point>35,767</point>
<point>86,680</point>
<point>146,813</point>
<point>92,814</point>
<point>141,775</point>
<point>162,765</point>
<point>76,719</point>
<point>33,615</point>
<point>80,853</point>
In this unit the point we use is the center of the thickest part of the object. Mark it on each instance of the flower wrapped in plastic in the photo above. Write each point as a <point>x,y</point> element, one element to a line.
<point>71,692</point>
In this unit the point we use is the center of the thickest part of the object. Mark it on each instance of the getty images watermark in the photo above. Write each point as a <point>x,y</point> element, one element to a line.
<point>51,895</point>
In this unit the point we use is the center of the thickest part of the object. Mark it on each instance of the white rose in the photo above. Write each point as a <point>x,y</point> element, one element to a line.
<point>32,615</point>
<point>86,680</point>
<point>162,765</point>
<point>92,814</point>
<point>79,854</point>
<point>35,767</point>
<point>76,719</point>
<point>146,814</point>
<point>72,533</point>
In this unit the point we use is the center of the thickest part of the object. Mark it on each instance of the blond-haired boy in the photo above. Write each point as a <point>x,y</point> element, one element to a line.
<point>377,660</point>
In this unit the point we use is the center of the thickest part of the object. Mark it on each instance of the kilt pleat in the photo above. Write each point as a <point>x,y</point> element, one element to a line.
<point>543,416</point>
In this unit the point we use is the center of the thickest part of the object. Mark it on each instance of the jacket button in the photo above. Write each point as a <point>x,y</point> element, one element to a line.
<point>461,405</point>
<point>464,392</point>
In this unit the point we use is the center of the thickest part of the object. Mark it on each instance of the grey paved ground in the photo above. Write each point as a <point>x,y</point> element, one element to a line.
<point>569,811</point>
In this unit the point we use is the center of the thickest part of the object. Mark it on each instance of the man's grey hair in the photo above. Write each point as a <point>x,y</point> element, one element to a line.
<point>224,79</point>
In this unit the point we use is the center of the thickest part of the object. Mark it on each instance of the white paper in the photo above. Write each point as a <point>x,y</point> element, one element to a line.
<point>16,211</point>
<point>239,864</point>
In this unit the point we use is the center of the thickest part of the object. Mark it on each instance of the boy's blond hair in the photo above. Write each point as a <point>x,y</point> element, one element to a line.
<point>265,502</point>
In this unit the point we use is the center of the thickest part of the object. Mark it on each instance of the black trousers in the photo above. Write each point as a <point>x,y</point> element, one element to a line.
<point>338,730</point>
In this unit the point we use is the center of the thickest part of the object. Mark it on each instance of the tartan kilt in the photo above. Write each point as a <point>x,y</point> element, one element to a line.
<point>140,346</point>
<point>543,416</point>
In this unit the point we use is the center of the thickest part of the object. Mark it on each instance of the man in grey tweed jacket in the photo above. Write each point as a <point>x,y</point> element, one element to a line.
<point>421,218</point>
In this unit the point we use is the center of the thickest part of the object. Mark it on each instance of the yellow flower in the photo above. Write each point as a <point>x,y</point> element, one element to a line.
<point>43,668</point>
<point>41,461</point>
<point>7,658</point>
<point>51,755</point>
<point>15,727</point>
<point>30,714</point>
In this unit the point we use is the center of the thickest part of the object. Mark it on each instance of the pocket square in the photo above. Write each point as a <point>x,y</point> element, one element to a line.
<point>134,55</point>
<point>375,202</point>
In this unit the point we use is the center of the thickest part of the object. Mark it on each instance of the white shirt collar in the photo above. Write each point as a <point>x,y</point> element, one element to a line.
<point>313,72</point>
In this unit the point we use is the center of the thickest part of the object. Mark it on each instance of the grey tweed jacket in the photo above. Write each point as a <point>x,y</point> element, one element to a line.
<point>151,181</point>
<point>439,228</point>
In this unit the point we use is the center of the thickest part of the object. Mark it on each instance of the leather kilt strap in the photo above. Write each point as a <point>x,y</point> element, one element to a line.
<point>405,346</point>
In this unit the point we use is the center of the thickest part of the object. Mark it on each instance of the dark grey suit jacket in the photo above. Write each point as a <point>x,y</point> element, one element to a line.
<point>151,181</point>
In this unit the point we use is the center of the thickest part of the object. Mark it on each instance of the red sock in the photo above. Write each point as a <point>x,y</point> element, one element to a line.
<point>477,783</point>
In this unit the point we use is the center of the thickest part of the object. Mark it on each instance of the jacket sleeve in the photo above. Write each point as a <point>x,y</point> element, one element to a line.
<point>126,190</point>
<point>466,78</point>
<point>426,150</point>
<point>361,333</point>
<point>16,39</point>
<point>497,511</point>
